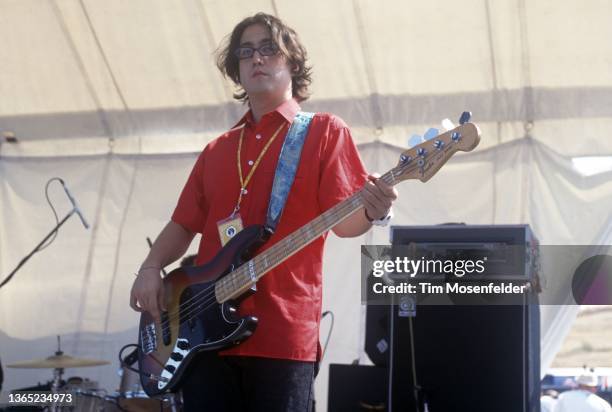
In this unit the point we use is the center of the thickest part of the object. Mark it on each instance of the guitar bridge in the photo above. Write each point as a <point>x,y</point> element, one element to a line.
<point>148,339</point>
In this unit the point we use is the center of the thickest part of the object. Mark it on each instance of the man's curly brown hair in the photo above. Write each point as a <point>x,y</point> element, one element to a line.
<point>289,45</point>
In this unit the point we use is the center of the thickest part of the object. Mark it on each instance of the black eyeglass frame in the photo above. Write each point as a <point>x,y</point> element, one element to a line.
<point>274,49</point>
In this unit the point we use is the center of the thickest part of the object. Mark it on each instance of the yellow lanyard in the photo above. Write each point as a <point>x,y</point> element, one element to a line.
<point>245,182</point>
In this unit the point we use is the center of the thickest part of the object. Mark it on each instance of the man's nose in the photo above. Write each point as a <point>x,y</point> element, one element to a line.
<point>257,57</point>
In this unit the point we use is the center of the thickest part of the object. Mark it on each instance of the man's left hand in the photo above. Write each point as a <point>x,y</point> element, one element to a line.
<point>377,197</point>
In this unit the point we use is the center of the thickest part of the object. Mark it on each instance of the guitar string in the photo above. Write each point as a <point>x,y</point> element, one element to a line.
<point>210,299</point>
<point>206,300</point>
<point>206,297</point>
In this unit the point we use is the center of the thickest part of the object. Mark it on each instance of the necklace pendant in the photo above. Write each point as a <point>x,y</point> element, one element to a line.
<point>230,227</point>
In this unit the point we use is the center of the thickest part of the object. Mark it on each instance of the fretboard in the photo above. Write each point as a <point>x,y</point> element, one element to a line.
<point>240,280</point>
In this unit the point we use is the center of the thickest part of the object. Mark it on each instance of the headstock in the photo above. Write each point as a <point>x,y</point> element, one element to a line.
<point>425,159</point>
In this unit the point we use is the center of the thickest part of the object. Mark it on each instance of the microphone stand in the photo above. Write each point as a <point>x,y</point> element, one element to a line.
<point>25,259</point>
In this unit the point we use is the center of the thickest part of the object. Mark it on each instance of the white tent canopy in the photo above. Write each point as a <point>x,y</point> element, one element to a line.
<point>117,98</point>
<point>144,69</point>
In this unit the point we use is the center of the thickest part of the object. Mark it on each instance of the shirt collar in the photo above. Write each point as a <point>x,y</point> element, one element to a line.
<point>287,110</point>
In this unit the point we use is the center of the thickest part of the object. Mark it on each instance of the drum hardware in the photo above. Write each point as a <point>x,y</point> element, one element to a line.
<point>58,362</point>
<point>90,398</point>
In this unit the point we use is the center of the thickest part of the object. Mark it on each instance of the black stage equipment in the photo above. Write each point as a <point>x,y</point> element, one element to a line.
<point>462,357</point>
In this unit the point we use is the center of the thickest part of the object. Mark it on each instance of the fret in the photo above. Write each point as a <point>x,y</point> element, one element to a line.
<point>309,232</point>
<point>231,281</point>
<point>228,286</point>
<point>325,218</point>
<point>244,279</point>
<point>302,232</point>
<point>237,280</point>
<point>260,266</point>
<point>219,294</point>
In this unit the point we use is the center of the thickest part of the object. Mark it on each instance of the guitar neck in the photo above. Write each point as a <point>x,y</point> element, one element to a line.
<point>420,162</point>
<point>240,280</point>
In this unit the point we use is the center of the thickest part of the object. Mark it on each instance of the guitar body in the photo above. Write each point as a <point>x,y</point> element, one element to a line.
<point>194,321</point>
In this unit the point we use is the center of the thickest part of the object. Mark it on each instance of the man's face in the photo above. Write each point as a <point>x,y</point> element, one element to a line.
<point>263,76</point>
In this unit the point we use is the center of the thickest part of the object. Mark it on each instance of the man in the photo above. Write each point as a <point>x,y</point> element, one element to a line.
<point>273,370</point>
<point>583,399</point>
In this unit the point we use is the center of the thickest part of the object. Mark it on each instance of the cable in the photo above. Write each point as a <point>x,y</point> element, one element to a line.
<point>127,364</point>
<point>52,209</point>
<point>416,386</point>
<point>331,328</point>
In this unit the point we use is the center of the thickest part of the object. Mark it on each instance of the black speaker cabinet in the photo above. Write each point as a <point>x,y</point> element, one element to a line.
<point>466,358</point>
<point>456,358</point>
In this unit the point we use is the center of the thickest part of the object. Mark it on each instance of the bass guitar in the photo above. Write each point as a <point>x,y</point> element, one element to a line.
<point>202,301</point>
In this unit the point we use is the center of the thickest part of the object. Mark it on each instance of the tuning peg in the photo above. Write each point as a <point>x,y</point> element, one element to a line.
<point>415,140</point>
<point>447,125</point>
<point>465,117</point>
<point>431,133</point>
<point>405,159</point>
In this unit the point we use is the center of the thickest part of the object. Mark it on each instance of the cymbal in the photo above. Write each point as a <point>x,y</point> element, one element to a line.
<point>58,362</point>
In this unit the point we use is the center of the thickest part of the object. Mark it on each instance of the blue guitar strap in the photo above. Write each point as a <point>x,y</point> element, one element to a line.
<point>287,166</point>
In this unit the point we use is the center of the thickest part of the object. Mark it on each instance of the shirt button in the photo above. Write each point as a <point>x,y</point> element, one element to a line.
<point>244,191</point>
<point>250,163</point>
<point>257,136</point>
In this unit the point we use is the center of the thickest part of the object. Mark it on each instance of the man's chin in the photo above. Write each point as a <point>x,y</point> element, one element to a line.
<point>259,90</point>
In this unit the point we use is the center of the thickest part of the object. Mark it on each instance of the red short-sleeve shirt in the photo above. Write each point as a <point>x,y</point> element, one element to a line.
<point>288,298</point>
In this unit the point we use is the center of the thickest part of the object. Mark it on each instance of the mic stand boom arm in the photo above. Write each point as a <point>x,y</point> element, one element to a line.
<point>25,259</point>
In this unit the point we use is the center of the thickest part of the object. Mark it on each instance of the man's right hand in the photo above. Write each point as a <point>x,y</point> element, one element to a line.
<point>147,293</point>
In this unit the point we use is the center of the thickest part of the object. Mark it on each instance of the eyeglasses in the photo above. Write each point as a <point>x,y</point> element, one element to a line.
<point>245,52</point>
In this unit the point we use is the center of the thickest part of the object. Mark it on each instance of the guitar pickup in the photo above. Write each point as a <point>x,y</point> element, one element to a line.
<point>148,339</point>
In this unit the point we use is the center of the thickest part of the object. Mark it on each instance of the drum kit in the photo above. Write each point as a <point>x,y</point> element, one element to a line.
<point>88,396</point>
